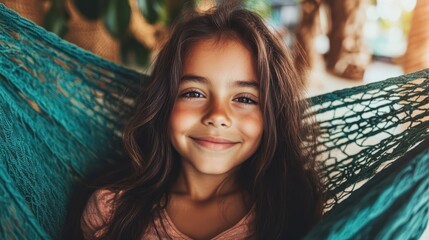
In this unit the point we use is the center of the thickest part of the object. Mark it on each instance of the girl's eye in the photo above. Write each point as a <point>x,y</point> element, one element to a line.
<point>245,100</point>
<point>192,94</point>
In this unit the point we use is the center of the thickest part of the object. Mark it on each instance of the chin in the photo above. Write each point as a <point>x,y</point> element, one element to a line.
<point>211,169</point>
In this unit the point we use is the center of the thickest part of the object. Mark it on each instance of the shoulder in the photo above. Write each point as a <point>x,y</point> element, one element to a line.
<point>97,213</point>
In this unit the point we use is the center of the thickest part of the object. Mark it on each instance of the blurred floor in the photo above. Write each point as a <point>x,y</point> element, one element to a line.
<point>320,81</point>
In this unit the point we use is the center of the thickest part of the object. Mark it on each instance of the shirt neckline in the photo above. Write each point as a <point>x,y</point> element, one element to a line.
<point>184,236</point>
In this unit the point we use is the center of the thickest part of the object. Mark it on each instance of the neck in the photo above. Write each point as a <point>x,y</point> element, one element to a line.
<point>200,187</point>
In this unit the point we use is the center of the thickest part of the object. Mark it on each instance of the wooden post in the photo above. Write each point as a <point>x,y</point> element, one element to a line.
<point>307,29</point>
<point>417,55</point>
<point>348,56</point>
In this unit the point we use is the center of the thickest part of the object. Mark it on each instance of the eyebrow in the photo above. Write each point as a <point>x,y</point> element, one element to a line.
<point>239,83</point>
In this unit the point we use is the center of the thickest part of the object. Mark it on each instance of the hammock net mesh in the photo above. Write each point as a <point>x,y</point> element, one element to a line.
<point>63,108</point>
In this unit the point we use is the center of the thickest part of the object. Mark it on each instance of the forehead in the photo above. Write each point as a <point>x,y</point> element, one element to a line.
<point>220,58</point>
<point>216,42</point>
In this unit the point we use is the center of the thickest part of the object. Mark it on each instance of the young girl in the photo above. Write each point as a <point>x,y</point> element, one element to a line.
<point>216,142</point>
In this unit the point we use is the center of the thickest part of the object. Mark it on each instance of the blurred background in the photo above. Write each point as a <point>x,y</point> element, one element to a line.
<point>345,42</point>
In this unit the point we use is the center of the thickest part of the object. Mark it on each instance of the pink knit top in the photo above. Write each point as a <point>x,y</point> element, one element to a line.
<point>99,209</point>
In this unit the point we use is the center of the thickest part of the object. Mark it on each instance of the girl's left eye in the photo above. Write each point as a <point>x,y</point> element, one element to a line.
<point>245,100</point>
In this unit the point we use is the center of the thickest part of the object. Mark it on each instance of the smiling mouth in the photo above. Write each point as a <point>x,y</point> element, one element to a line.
<point>214,143</point>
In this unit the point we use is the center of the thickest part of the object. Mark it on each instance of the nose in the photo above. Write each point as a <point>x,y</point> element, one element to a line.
<point>217,115</point>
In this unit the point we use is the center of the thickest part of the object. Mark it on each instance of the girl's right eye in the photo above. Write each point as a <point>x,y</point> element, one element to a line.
<point>192,94</point>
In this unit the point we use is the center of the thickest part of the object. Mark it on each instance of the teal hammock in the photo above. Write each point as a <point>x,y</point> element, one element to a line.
<point>62,109</point>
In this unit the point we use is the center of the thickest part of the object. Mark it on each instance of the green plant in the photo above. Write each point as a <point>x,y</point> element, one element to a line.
<point>116,16</point>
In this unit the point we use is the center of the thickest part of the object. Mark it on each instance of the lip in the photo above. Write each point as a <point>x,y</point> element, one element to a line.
<point>214,143</point>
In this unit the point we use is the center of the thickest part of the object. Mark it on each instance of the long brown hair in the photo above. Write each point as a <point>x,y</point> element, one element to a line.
<point>280,176</point>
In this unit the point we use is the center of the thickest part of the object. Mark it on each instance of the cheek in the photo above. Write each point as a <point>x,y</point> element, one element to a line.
<point>252,126</point>
<point>182,118</point>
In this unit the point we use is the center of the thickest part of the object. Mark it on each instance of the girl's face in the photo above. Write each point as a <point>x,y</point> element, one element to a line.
<point>216,122</point>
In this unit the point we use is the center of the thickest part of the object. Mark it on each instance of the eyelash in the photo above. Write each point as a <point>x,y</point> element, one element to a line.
<point>191,91</point>
<point>247,100</point>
